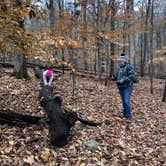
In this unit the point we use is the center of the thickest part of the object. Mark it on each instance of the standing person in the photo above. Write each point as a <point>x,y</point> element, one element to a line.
<point>124,78</point>
<point>48,77</point>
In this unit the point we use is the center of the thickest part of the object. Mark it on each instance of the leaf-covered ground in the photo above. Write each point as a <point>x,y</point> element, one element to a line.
<point>120,142</point>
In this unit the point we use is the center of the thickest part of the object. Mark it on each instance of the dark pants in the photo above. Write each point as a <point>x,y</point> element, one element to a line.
<point>125,93</point>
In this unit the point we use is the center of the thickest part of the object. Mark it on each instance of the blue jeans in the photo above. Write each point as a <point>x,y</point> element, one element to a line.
<point>125,93</point>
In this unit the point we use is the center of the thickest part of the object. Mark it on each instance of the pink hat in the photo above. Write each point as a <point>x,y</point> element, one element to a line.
<point>49,73</point>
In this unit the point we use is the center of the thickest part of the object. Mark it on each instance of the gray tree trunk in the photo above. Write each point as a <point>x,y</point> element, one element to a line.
<point>20,69</point>
<point>151,46</point>
<point>130,11</point>
<point>112,45</point>
<point>164,94</point>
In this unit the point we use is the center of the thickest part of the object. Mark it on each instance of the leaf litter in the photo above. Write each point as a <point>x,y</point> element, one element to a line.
<point>121,142</point>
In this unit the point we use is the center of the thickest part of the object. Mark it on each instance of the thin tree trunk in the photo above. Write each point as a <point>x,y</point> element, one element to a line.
<point>73,76</point>
<point>52,16</point>
<point>98,40</point>
<point>145,38</point>
<point>61,19</point>
<point>124,35</point>
<point>164,94</point>
<point>142,49</point>
<point>112,4</point>
<point>151,45</point>
<point>130,9</point>
<point>84,5</point>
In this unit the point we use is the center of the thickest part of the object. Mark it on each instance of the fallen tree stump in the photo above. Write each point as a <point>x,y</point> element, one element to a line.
<point>60,121</point>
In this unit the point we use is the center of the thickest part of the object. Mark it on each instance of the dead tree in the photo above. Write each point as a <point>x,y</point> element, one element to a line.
<point>15,119</point>
<point>60,121</point>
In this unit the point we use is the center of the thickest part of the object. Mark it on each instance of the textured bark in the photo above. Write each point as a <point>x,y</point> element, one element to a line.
<point>112,45</point>
<point>164,94</point>
<point>12,118</point>
<point>60,121</point>
<point>20,68</point>
<point>151,48</point>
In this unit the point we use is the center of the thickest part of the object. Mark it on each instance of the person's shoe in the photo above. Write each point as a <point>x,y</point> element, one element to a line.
<point>128,120</point>
<point>137,120</point>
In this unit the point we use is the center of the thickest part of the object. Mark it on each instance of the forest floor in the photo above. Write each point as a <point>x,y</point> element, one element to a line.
<point>121,143</point>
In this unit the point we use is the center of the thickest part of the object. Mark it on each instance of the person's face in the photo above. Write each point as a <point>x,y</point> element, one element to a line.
<point>121,63</point>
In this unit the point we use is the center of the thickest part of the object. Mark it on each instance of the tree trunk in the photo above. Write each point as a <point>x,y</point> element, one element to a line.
<point>99,59</point>
<point>164,94</point>
<point>20,69</point>
<point>151,48</point>
<point>131,51</point>
<point>112,4</point>
<point>73,76</point>
<point>53,16</point>
<point>84,36</point>
<point>145,38</point>
<point>60,121</point>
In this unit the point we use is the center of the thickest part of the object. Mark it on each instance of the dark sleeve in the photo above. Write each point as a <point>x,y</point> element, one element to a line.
<point>114,77</point>
<point>130,73</point>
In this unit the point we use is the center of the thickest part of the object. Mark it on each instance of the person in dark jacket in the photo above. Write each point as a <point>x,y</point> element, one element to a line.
<point>124,78</point>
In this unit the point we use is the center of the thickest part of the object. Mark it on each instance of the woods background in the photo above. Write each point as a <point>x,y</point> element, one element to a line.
<point>87,35</point>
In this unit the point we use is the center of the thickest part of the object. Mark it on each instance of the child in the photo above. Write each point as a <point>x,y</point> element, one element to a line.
<point>48,77</point>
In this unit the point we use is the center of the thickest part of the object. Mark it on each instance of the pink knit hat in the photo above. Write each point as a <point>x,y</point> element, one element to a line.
<point>49,73</point>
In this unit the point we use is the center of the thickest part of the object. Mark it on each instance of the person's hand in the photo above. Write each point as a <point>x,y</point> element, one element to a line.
<point>121,81</point>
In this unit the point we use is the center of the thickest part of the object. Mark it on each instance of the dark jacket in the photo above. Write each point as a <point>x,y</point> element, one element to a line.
<point>125,73</point>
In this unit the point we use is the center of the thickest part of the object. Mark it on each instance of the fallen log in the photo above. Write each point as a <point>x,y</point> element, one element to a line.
<point>60,121</point>
<point>13,118</point>
<point>56,68</point>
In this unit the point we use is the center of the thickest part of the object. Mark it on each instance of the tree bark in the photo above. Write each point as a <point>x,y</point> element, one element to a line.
<point>60,121</point>
<point>20,68</point>
<point>112,45</point>
<point>130,10</point>
<point>12,118</point>
<point>164,94</point>
<point>151,46</point>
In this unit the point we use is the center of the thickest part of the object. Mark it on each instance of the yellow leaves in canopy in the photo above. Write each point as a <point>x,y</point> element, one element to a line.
<point>158,60</point>
<point>59,41</point>
<point>45,40</point>
<point>125,18</point>
<point>3,44</point>
<point>161,51</point>
<point>38,36</point>
<point>72,43</point>
<point>65,63</point>
<point>6,1</point>
<point>23,13</point>
<point>42,44</point>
